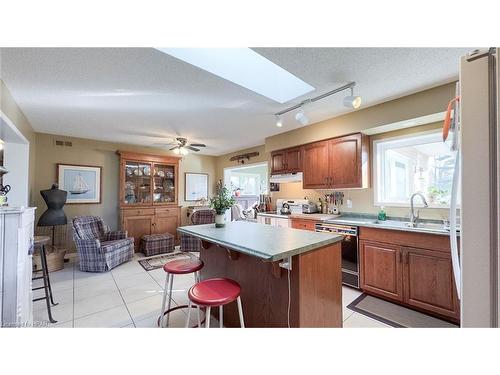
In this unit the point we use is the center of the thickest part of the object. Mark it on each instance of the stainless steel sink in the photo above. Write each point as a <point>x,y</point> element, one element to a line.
<point>407,224</point>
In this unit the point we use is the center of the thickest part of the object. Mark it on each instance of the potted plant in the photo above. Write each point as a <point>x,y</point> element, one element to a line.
<point>220,203</point>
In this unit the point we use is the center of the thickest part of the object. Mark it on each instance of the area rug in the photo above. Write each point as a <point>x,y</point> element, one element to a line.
<point>395,315</point>
<point>158,261</point>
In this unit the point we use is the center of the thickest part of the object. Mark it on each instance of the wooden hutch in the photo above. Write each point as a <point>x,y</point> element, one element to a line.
<point>149,199</point>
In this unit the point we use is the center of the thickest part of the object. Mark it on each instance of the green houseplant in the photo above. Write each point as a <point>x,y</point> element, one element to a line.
<point>221,203</point>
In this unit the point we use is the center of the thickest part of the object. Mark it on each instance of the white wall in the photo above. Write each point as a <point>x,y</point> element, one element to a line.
<point>16,160</point>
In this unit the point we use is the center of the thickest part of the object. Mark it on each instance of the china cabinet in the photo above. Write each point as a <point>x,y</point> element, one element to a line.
<point>149,197</point>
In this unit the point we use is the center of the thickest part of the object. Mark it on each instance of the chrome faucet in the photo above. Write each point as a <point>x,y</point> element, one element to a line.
<point>414,218</point>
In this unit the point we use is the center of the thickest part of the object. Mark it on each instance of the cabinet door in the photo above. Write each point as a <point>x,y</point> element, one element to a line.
<point>315,166</point>
<point>278,162</point>
<point>345,162</point>
<point>293,160</point>
<point>167,224</point>
<point>137,226</point>
<point>428,281</point>
<point>381,269</point>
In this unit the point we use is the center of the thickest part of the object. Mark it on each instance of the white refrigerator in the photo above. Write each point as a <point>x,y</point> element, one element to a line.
<point>479,141</point>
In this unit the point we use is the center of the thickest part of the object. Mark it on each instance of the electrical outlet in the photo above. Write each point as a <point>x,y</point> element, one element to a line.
<point>349,203</point>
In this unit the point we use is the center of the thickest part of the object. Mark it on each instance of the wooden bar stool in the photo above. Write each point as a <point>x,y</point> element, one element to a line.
<point>212,293</point>
<point>178,267</point>
<point>39,243</point>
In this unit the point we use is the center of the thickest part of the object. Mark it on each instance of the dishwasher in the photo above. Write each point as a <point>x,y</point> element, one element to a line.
<point>350,251</point>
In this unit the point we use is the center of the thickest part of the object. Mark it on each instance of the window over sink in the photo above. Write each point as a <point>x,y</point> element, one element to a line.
<point>412,163</point>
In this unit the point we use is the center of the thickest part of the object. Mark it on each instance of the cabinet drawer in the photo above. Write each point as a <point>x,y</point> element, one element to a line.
<point>304,224</point>
<point>139,212</point>
<point>166,212</point>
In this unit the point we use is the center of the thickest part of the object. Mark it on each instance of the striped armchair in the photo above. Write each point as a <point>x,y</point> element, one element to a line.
<point>190,243</point>
<point>100,249</point>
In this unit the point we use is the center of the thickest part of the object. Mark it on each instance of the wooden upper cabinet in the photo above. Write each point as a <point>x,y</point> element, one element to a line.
<point>286,161</point>
<point>429,283</point>
<point>293,160</point>
<point>278,162</point>
<point>345,161</point>
<point>337,163</point>
<point>315,165</point>
<point>381,270</point>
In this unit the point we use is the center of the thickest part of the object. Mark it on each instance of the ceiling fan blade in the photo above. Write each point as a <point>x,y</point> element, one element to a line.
<point>192,148</point>
<point>198,145</point>
<point>173,148</point>
<point>164,144</point>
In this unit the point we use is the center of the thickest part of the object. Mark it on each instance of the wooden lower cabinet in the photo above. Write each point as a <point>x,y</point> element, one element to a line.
<point>428,281</point>
<point>139,222</point>
<point>416,277</point>
<point>381,270</point>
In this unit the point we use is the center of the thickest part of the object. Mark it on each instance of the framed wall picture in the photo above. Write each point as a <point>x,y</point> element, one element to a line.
<point>82,182</point>
<point>196,186</point>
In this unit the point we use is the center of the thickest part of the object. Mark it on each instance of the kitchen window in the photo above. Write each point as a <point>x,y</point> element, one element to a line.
<point>415,163</point>
<point>249,184</point>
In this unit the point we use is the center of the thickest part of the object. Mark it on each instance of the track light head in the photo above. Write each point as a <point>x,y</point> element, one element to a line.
<point>302,117</point>
<point>279,121</point>
<point>352,101</point>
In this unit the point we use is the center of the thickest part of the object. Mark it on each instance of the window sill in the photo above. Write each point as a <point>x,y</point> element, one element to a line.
<point>407,205</point>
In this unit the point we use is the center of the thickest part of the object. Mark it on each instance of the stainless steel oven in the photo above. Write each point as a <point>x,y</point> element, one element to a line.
<point>350,251</point>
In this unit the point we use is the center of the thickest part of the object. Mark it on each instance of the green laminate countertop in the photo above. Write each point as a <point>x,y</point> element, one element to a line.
<point>262,241</point>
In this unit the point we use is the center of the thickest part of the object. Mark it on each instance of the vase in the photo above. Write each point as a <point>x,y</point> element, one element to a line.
<point>220,220</point>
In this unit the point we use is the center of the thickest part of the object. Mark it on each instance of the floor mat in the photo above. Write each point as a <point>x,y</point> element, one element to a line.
<point>395,315</point>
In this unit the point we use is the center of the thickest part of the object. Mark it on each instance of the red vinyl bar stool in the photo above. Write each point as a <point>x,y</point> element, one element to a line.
<point>212,293</point>
<point>178,267</point>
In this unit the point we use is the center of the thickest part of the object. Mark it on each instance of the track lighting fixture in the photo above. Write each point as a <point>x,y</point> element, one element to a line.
<point>350,101</point>
<point>302,117</point>
<point>279,121</point>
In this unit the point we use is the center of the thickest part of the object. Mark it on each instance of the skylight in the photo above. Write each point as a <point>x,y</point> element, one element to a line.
<point>246,68</point>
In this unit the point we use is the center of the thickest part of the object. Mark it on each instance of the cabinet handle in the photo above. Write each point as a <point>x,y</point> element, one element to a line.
<point>153,224</point>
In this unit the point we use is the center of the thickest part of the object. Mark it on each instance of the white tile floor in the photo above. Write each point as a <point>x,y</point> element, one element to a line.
<point>129,297</point>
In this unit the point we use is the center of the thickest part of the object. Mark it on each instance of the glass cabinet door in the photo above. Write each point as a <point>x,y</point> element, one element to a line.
<point>137,183</point>
<point>163,183</point>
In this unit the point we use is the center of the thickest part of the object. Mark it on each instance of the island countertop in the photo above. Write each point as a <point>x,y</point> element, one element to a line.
<point>262,241</point>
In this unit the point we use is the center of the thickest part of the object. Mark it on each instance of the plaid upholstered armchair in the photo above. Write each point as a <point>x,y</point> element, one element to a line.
<point>190,243</point>
<point>99,248</point>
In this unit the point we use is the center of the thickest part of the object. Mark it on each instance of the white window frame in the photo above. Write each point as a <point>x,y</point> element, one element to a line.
<point>378,170</point>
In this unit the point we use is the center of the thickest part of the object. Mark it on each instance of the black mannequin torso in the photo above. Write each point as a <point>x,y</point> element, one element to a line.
<point>55,200</point>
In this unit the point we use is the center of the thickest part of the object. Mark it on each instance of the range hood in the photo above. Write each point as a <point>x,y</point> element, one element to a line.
<point>284,178</point>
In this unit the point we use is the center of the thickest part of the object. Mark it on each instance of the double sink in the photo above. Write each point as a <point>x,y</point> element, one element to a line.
<point>421,226</point>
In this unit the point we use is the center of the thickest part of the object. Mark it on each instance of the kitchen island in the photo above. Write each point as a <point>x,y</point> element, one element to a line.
<point>259,258</point>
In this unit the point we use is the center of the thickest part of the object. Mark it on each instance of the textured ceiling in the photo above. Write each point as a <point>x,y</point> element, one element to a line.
<point>140,95</point>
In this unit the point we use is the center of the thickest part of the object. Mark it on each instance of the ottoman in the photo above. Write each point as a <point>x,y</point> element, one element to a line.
<point>153,244</point>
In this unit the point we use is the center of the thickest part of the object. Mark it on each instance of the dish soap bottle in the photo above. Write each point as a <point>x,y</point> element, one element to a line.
<point>382,216</point>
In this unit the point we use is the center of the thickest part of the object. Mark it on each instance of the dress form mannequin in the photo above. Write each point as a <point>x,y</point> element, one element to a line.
<point>55,200</point>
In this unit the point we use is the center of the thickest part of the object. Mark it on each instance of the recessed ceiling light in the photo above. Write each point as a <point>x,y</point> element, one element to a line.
<point>246,68</point>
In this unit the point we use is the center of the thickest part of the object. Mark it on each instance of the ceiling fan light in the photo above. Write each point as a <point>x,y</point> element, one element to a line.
<point>301,117</point>
<point>183,151</point>
<point>177,151</point>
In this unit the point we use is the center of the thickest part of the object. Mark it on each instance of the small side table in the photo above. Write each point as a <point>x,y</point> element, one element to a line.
<point>39,243</point>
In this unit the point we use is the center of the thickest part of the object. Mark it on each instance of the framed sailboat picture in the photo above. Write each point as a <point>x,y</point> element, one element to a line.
<point>82,182</point>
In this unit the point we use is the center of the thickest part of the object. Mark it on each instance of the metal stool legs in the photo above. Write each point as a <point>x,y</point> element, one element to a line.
<point>46,284</point>
<point>221,315</point>
<point>169,282</point>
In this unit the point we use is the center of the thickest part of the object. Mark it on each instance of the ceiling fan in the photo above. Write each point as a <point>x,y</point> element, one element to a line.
<point>181,146</point>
